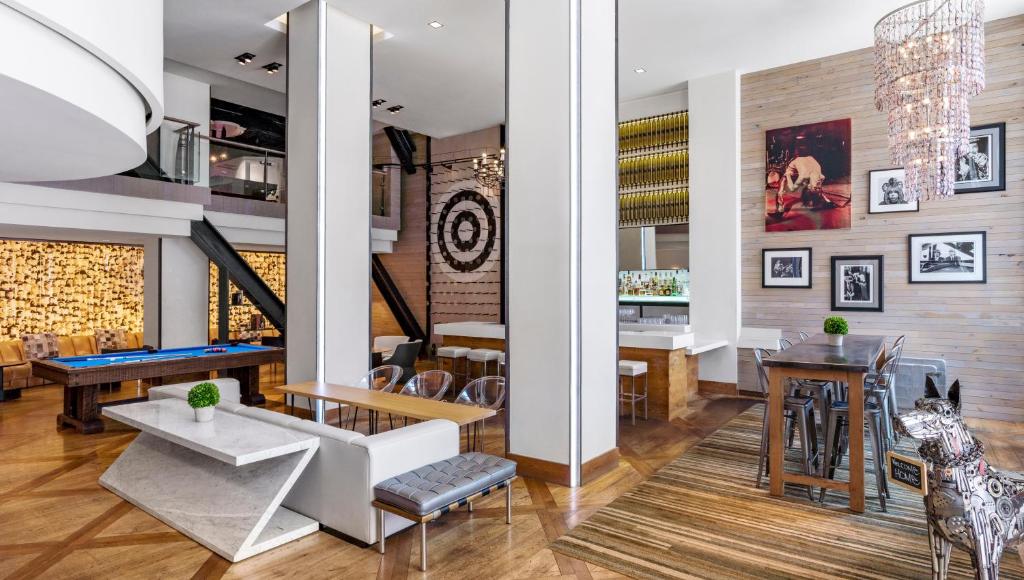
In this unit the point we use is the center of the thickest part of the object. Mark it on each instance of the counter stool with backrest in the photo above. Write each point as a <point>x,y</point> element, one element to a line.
<point>404,356</point>
<point>837,436</point>
<point>382,379</point>
<point>386,344</point>
<point>633,369</point>
<point>453,354</point>
<point>798,410</point>
<point>485,357</point>
<point>486,392</point>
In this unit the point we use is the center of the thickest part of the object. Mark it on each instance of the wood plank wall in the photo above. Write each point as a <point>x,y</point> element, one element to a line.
<point>978,329</point>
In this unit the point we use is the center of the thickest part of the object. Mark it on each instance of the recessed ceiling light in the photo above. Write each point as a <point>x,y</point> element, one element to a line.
<point>378,102</point>
<point>245,58</point>
<point>272,67</point>
<point>639,70</point>
<point>394,110</point>
<point>435,24</point>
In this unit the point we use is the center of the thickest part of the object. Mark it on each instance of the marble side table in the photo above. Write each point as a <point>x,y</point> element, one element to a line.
<point>220,483</point>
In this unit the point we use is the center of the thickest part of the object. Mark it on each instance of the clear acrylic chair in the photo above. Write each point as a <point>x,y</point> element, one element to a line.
<point>486,392</point>
<point>432,384</point>
<point>796,410</point>
<point>804,336</point>
<point>383,379</point>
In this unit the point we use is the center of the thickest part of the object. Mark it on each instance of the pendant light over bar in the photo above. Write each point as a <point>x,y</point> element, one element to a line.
<point>929,62</point>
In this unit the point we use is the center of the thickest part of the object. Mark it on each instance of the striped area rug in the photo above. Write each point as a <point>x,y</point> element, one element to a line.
<point>701,517</point>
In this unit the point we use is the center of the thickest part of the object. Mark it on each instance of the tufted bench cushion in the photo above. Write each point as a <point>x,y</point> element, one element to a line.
<point>438,485</point>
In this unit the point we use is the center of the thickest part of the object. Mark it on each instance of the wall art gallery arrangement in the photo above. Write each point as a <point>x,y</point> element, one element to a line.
<point>271,267</point>
<point>69,288</point>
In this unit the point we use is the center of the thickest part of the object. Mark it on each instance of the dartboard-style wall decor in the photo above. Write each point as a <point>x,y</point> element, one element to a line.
<point>465,246</point>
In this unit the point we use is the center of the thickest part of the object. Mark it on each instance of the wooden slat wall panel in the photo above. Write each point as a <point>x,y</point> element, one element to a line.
<point>978,329</point>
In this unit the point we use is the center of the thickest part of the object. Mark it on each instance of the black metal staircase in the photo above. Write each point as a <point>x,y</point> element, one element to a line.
<point>401,311</point>
<point>221,253</point>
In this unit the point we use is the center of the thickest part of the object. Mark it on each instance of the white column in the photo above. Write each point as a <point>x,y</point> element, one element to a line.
<point>328,230</point>
<point>184,294</point>
<point>151,292</point>
<point>561,260</point>
<point>715,219</point>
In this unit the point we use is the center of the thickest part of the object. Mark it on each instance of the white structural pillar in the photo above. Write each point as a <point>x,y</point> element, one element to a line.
<point>715,220</point>
<point>561,257</point>
<point>328,228</point>
<point>184,291</point>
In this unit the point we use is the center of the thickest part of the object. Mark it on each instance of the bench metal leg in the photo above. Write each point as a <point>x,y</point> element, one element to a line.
<point>423,547</point>
<point>470,504</point>
<point>508,504</point>
<point>380,529</point>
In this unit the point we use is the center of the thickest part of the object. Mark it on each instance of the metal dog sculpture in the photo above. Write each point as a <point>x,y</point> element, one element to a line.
<point>969,504</point>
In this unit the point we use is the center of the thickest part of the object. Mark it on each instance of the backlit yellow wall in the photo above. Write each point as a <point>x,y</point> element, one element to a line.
<point>270,267</point>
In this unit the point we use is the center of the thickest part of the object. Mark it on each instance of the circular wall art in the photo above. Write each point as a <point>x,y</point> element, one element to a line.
<point>465,243</point>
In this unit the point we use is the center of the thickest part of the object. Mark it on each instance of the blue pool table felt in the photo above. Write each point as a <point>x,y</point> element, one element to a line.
<point>96,360</point>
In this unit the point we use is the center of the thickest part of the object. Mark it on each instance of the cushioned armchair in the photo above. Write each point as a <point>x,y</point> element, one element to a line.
<point>17,376</point>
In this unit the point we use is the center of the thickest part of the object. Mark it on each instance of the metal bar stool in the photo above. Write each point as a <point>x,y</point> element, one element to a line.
<point>454,354</point>
<point>798,411</point>
<point>484,356</point>
<point>633,369</point>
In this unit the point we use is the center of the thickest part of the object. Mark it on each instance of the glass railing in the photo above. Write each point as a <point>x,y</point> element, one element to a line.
<point>172,153</point>
<point>246,171</point>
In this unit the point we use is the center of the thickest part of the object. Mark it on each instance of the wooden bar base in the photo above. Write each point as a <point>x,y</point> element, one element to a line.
<point>671,376</point>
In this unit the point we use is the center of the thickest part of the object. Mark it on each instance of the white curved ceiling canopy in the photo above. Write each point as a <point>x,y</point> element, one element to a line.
<point>81,84</point>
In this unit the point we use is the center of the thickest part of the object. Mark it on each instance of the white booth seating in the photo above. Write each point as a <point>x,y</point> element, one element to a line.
<point>336,489</point>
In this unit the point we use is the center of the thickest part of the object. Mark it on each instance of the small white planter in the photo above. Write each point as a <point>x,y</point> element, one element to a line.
<point>204,414</point>
<point>835,339</point>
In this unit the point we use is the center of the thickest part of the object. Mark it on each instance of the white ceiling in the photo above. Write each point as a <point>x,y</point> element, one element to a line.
<point>451,80</point>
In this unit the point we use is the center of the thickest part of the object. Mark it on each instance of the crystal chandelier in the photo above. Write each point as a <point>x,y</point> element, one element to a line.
<point>929,61</point>
<point>490,170</point>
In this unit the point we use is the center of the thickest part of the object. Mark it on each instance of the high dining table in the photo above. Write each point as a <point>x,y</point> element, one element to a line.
<point>393,403</point>
<point>814,359</point>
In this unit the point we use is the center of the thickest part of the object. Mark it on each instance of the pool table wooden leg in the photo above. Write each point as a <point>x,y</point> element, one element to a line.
<point>249,384</point>
<point>81,410</point>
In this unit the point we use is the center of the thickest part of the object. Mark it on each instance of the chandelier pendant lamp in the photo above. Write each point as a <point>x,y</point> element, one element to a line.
<point>929,62</point>
<point>490,170</point>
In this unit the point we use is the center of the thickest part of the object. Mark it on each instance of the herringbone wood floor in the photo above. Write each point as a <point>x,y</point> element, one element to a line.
<point>57,522</point>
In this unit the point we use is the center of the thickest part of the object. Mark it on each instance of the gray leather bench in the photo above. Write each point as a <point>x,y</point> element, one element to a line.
<point>427,493</point>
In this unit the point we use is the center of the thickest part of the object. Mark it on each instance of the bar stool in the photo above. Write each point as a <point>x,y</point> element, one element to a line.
<point>501,363</point>
<point>797,410</point>
<point>633,369</point>
<point>484,356</point>
<point>454,353</point>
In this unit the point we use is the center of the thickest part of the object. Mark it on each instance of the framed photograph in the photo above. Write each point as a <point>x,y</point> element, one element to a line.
<point>885,192</point>
<point>786,268</point>
<point>984,166</point>
<point>947,258</point>
<point>807,177</point>
<point>858,283</point>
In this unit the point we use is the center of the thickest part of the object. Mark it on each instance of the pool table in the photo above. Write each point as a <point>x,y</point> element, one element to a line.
<point>83,375</point>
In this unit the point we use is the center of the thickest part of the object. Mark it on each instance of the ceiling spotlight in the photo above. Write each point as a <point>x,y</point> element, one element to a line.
<point>640,70</point>
<point>272,67</point>
<point>245,58</point>
<point>394,110</point>
<point>378,102</point>
<point>435,24</point>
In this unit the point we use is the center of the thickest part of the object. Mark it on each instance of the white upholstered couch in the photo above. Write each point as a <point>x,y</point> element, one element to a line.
<point>337,487</point>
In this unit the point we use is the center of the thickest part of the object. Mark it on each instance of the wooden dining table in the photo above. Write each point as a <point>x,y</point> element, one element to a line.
<point>815,359</point>
<point>392,403</point>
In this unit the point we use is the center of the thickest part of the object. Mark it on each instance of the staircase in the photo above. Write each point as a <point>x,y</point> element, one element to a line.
<point>221,253</point>
<point>399,308</point>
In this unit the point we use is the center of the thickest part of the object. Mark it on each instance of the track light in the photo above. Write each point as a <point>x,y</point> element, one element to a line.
<point>245,58</point>
<point>272,67</point>
<point>395,109</point>
<point>378,102</point>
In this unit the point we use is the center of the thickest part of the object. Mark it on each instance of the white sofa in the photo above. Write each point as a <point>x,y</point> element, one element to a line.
<point>337,487</point>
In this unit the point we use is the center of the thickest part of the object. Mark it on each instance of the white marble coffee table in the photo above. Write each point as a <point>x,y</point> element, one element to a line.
<point>220,483</point>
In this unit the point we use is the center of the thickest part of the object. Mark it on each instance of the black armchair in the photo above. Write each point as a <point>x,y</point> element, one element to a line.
<point>405,356</point>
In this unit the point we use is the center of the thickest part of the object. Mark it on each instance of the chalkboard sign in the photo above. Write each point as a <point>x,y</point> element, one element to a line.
<point>909,472</point>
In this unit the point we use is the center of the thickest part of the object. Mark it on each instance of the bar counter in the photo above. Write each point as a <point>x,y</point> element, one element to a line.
<point>671,352</point>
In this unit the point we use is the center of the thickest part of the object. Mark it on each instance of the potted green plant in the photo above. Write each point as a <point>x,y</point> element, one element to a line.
<point>202,398</point>
<point>836,328</point>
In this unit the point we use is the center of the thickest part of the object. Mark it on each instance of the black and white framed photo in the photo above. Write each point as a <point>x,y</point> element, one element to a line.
<point>786,268</point>
<point>950,258</point>
<point>858,283</point>
<point>886,193</point>
<point>983,168</point>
